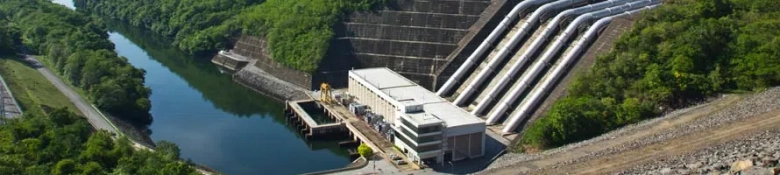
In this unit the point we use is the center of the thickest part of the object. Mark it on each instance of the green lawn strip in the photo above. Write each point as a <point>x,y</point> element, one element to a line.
<point>78,90</point>
<point>50,66</point>
<point>30,88</point>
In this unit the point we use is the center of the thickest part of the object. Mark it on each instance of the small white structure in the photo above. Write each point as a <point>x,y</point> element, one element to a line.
<point>426,126</point>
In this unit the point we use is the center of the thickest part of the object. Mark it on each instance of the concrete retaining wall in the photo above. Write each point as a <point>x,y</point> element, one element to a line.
<point>479,31</point>
<point>256,48</point>
<point>416,38</point>
<point>268,86</point>
<point>227,62</point>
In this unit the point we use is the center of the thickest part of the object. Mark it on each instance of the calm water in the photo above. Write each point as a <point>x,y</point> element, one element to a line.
<point>215,121</point>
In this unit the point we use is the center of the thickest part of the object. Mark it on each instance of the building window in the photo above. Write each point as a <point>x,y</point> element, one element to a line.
<point>421,140</point>
<point>429,129</point>
<point>427,148</point>
<point>418,149</point>
<point>409,125</point>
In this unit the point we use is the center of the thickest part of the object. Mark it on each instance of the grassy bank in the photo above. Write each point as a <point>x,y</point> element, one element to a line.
<point>30,88</point>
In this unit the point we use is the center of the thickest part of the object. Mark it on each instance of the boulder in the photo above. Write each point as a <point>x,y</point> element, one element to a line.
<point>769,161</point>
<point>694,166</point>
<point>741,165</point>
<point>718,166</point>
<point>666,171</point>
<point>776,171</point>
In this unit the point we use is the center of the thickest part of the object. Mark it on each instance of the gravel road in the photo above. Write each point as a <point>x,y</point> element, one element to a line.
<point>689,129</point>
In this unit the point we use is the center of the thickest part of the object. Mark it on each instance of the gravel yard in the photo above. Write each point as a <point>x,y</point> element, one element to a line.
<point>721,112</point>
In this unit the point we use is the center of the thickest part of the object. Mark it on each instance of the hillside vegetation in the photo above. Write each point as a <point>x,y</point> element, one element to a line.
<point>78,49</point>
<point>298,32</point>
<point>679,53</point>
<point>62,143</point>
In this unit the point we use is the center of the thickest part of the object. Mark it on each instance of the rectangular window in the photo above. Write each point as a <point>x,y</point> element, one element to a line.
<point>416,148</point>
<point>427,148</point>
<point>406,141</point>
<point>429,129</point>
<point>409,125</point>
<point>420,139</point>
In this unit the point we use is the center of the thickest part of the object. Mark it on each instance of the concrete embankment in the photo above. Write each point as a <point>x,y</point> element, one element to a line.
<point>264,83</point>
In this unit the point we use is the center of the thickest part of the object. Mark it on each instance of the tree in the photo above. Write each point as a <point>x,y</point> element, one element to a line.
<point>92,168</point>
<point>62,148</point>
<point>64,167</point>
<point>168,150</point>
<point>365,151</point>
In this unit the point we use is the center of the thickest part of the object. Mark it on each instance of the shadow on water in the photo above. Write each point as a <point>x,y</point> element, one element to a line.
<point>215,85</point>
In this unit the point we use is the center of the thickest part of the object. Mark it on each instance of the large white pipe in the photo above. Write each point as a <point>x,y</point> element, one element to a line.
<point>471,60</point>
<point>525,28</point>
<point>535,45</point>
<point>558,70</point>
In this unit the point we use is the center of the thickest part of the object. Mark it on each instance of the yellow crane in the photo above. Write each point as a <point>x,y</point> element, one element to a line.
<point>325,93</point>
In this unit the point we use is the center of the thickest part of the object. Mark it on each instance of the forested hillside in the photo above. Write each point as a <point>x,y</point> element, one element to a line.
<point>62,143</point>
<point>298,32</point>
<point>679,53</point>
<point>8,37</point>
<point>77,48</point>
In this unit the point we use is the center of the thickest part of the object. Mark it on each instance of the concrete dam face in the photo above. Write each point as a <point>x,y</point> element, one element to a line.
<point>419,39</point>
<point>416,38</point>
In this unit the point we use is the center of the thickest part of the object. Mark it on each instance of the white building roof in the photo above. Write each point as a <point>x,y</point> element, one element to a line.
<point>382,78</point>
<point>423,118</point>
<point>407,92</point>
<point>451,114</point>
<point>418,94</point>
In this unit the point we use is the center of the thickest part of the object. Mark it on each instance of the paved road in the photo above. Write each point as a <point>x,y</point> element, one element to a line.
<point>92,115</point>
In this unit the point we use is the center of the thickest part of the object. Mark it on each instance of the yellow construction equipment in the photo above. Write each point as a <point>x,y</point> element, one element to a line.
<point>325,93</point>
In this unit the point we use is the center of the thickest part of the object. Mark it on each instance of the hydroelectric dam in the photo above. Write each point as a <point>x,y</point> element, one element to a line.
<point>500,60</point>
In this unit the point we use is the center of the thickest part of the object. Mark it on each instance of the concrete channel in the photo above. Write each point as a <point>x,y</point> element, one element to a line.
<point>9,108</point>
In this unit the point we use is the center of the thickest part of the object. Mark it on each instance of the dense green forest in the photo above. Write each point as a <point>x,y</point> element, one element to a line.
<point>8,37</point>
<point>78,49</point>
<point>298,32</point>
<point>679,53</point>
<point>64,143</point>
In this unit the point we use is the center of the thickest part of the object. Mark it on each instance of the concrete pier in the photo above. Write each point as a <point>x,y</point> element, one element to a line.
<point>295,113</point>
<point>358,130</point>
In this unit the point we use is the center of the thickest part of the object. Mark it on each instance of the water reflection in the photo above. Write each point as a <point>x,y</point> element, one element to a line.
<point>215,121</point>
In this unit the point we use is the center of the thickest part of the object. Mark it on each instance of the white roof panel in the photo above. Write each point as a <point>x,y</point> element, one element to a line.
<point>419,94</point>
<point>382,78</point>
<point>451,114</point>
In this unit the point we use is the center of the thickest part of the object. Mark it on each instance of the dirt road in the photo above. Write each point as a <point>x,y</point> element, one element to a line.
<point>596,158</point>
<point>678,146</point>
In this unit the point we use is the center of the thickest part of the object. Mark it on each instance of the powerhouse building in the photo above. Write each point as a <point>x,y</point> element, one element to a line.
<point>426,126</point>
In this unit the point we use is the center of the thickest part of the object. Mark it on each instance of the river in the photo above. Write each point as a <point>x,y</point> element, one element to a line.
<point>215,121</point>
